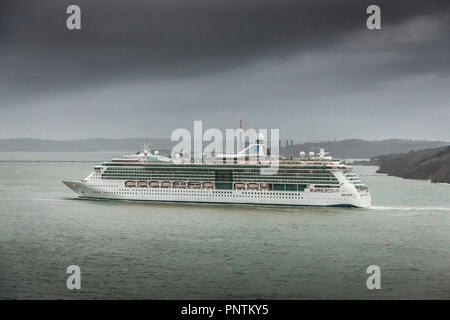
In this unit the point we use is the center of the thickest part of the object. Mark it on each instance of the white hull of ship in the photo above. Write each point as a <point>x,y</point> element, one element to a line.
<point>115,190</point>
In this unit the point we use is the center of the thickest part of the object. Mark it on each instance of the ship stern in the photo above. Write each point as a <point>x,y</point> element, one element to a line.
<point>364,200</point>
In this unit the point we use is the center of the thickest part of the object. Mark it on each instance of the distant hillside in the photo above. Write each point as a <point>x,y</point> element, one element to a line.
<point>432,164</point>
<point>353,148</point>
<point>96,144</point>
<point>362,149</point>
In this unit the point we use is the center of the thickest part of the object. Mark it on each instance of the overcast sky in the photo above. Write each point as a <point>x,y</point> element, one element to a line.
<point>141,68</point>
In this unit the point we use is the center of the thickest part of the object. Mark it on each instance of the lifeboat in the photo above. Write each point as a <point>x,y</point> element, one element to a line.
<point>253,186</point>
<point>153,184</point>
<point>239,186</point>
<point>179,184</point>
<point>130,184</point>
<point>142,184</point>
<point>194,185</point>
<point>264,186</point>
<point>208,185</point>
<point>166,184</point>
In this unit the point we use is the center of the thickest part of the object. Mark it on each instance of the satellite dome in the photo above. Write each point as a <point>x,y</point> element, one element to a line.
<point>311,154</point>
<point>156,152</point>
<point>177,156</point>
<point>302,154</point>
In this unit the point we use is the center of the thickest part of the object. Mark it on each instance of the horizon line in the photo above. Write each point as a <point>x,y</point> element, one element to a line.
<point>281,139</point>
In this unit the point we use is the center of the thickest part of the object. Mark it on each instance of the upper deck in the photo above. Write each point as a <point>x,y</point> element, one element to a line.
<point>243,159</point>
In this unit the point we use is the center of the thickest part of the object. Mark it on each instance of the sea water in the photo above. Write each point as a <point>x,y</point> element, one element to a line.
<point>136,250</point>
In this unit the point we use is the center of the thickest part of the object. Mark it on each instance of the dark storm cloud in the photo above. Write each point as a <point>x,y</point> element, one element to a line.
<point>164,63</point>
<point>123,40</point>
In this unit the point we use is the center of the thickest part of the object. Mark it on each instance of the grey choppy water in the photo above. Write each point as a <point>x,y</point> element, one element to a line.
<point>156,251</point>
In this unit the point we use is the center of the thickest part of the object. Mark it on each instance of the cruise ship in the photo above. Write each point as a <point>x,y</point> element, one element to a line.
<point>308,180</point>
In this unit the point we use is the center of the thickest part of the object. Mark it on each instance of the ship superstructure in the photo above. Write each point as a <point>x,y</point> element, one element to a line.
<point>309,180</point>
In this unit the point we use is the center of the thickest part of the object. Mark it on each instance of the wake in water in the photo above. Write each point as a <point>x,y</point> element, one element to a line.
<point>376,208</point>
<point>50,199</point>
<point>400,208</point>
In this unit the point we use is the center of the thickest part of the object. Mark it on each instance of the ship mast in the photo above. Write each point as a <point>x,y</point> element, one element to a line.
<point>241,142</point>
